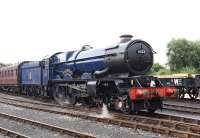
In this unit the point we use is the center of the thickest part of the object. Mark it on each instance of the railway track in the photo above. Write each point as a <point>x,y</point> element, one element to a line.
<point>163,124</point>
<point>11,133</point>
<point>86,109</point>
<point>185,100</point>
<point>183,105</point>
<point>168,106</point>
<point>181,108</point>
<point>42,125</point>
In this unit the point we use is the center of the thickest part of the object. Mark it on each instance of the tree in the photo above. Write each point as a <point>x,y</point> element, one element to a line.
<point>183,54</point>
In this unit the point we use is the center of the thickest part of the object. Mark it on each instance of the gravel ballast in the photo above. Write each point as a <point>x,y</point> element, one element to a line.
<point>28,130</point>
<point>94,128</point>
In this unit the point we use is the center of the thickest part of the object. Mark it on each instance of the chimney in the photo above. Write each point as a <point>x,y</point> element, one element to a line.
<point>125,38</point>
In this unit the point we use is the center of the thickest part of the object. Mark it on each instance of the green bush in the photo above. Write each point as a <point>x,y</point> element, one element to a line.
<point>190,70</point>
<point>158,69</point>
<point>164,72</point>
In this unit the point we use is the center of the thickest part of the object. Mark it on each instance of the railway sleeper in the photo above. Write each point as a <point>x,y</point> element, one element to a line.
<point>131,124</point>
<point>195,130</point>
<point>11,133</point>
<point>48,126</point>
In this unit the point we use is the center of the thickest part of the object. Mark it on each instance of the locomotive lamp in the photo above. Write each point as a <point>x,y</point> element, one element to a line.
<point>170,91</point>
<point>139,93</point>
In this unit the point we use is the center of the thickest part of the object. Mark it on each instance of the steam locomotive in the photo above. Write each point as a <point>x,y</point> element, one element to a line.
<point>113,76</point>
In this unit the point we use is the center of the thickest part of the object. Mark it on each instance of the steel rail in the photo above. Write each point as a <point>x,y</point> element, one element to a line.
<point>155,115</point>
<point>162,126</point>
<point>48,126</point>
<point>181,108</point>
<point>11,133</point>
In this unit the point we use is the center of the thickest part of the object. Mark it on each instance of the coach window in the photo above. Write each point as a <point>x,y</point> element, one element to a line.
<point>8,73</point>
<point>11,72</point>
<point>16,72</point>
<point>0,73</point>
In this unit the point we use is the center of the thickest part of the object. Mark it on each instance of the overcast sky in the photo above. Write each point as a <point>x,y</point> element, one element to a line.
<point>30,30</point>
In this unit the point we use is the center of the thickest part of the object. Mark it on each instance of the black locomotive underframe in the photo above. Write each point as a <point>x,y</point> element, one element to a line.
<point>112,92</point>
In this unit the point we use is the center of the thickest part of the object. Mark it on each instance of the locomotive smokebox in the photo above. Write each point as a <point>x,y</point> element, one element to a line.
<point>132,56</point>
<point>139,57</point>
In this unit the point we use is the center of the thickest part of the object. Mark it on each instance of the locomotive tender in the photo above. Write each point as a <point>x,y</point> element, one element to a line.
<point>95,76</point>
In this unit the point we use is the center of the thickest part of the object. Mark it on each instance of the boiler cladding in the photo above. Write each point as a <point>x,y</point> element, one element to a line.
<point>132,57</point>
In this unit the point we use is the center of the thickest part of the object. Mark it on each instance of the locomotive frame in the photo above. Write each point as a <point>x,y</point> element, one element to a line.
<point>130,94</point>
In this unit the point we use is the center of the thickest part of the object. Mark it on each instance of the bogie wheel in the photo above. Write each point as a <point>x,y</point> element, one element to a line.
<point>110,106</point>
<point>127,106</point>
<point>38,92</point>
<point>29,91</point>
<point>59,95</point>
<point>181,93</point>
<point>72,99</point>
<point>194,93</point>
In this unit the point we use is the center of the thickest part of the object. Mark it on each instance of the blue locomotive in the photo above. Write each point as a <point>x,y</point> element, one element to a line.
<point>127,57</point>
<point>95,76</point>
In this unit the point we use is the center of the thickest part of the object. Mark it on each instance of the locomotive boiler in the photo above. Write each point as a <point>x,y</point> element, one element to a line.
<point>128,57</point>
